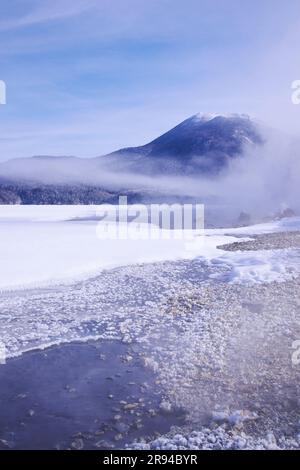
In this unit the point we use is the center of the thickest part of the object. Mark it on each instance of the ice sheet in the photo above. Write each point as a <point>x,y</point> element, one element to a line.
<point>42,245</point>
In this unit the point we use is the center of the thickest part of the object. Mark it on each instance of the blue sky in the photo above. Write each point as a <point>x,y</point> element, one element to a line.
<point>85,77</point>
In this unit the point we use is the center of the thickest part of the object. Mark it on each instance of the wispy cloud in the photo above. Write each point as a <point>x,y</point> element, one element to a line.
<point>41,12</point>
<point>85,77</point>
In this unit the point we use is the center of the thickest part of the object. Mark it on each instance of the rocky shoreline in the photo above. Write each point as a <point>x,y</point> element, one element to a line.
<point>220,352</point>
<point>247,376</point>
<point>269,241</point>
<point>218,438</point>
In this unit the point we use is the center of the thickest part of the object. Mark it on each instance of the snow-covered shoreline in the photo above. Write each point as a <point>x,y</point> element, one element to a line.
<point>49,262</point>
<point>44,246</point>
<point>213,344</point>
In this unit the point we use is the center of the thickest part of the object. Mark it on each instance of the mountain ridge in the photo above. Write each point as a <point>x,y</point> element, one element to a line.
<point>200,136</point>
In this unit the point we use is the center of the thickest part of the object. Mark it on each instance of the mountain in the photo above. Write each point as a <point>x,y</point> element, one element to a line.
<point>202,145</point>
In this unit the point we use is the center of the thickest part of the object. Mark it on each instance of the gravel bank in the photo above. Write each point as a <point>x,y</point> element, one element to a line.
<point>218,438</point>
<point>236,367</point>
<point>270,241</point>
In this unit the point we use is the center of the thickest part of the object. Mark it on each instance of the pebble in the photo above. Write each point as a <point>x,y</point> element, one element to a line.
<point>78,444</point>
<point>165,406</point>
<point>130,406</point>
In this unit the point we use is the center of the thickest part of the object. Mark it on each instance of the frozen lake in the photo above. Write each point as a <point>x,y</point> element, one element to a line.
<point>46,245</point>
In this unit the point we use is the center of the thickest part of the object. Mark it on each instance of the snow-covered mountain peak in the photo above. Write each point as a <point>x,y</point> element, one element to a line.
<point>206,117</point>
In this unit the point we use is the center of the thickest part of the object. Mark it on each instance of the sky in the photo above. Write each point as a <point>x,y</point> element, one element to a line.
<point>86,77</point>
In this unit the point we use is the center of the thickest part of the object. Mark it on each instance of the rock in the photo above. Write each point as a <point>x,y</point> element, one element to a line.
<point>126,339</point>
<point>104,445</point>
<point>130,406</point>
<point>21,396</point>
<point>128,358</point>
<point>138,424</point>
<point>78,444</point>
<point>180,440</point>
<point>165,406</point>
<point>122,428</point>
<point>240,443</point>
<point>151,363</point>
<point>270,442</point>
<point>4,444</point>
